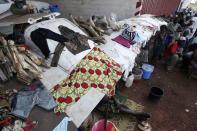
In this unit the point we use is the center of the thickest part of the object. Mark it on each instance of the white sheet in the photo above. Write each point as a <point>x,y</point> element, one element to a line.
<point>82,109</point>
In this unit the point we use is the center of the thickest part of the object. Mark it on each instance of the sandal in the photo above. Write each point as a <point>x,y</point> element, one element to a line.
<point>144,126</point>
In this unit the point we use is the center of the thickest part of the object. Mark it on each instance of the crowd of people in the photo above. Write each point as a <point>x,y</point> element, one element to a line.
<point>176,43</point>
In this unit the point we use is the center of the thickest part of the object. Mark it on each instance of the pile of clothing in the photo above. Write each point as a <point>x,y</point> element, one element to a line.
<point>8,122</point>
<point>15,106</point>
<point>28,97</point>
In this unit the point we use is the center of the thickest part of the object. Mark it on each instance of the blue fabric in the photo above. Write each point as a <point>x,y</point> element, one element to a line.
<point>63,125</point>
<point>28,97</point>
<point>138,38</point>
<point>168,40</point>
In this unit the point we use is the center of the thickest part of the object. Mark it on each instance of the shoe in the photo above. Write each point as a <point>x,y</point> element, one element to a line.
<point>144,126</point>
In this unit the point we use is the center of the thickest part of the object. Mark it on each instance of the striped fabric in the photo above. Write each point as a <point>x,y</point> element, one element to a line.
<point>160,7</point>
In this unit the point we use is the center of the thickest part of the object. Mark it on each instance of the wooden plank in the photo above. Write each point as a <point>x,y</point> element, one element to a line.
<point>20,19</point>
<point>33,57</point>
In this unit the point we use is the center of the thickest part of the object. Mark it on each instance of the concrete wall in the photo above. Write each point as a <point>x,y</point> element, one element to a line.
<point>86,8</point>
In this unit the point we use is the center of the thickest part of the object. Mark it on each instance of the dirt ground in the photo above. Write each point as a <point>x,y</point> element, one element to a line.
<point>167,115</point>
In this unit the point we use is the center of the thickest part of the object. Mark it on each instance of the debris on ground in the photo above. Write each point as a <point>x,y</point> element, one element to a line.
<point>187,110</point>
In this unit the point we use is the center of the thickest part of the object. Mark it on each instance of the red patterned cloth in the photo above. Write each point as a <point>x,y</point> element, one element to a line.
<point>96,70</point>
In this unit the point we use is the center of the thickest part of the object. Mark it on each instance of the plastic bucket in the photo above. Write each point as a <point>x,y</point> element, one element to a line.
<point>137,74</point>
<point>54,8</point>
<point>155,93</point>
<point>147,71</point>
<point>99,126</point>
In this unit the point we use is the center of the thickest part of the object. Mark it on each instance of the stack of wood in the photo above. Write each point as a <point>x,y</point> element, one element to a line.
<point>20,61</point>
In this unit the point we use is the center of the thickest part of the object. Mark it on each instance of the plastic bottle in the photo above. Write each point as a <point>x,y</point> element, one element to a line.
<point>129,81</point>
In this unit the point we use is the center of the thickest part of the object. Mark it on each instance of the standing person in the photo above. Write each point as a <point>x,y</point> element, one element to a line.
<point>159,44</point>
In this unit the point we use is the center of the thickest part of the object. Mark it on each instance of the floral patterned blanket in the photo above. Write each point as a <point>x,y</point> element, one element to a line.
<point>96,70</point>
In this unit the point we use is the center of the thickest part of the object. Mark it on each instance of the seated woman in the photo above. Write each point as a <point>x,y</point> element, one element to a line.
<point>172,54</point>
